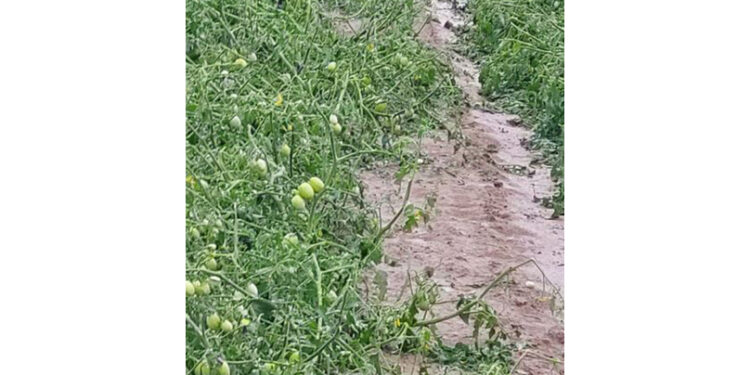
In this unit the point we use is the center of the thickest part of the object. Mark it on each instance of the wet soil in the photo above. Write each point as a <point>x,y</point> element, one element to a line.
<point>488,218</point>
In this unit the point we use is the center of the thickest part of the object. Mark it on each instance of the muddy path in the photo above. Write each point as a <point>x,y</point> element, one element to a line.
<point>488,217</point>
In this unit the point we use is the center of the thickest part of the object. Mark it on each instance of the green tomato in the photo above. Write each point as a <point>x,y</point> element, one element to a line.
<point>285,150</point>
<point>202,368</point>
<point>194,232</point>
<point>260,166</point>
<point>235,122</point>
<point>269,368</point>
<point>298,202</point>
<point>291,239</point>
<point>253,290</point>
<point>189,288</point>
<point>306,191</point>
<point>212,264</point>
<point>331,66</point>
<point>205,289</point>
<point>239,63</point>
<point>200,288</point>
<point>317,184</point>
<point>333,119</point>
<point>381,107</point>
<point>223,369</point>
<point>226,326</point>
<point>336,128</point>
<point>253,57</point>
<point>213,321</point>
<point>294,357</point>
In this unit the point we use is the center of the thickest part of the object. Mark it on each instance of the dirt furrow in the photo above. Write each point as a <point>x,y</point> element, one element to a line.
<point>488,217</point>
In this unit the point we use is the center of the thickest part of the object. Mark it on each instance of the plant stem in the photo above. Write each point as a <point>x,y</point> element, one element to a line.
<point>471,304</point>
<point>388,226</point>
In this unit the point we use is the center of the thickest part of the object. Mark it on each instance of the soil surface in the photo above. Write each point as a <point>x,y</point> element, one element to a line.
<point>488,218</point>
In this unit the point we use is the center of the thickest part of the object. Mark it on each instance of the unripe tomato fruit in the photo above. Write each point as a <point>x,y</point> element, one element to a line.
<point>291,239</point>
<point>306,191</point>
<point>381,107</point>
<point>224,369</point>
<point>189,288</point>
<point>285,150</point>
<point>213,321</point>
<point>205,289</point>
<point>331,66</point>
<point>239,63</point>
<point>202,368</point>
<point>298,202</point>
<point>317,184</point>
<point>226,326</point>
<point>294,357</point>
<point>212,264</point>
<point>235,122</point>
<point>336,128</point>
<point>261,166</point>
<point>253,290</point>
<point>268,368</point>
<point>333,119</point>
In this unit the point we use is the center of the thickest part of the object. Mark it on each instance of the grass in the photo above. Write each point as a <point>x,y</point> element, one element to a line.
<point>520,45</point>
<point>257,78</point>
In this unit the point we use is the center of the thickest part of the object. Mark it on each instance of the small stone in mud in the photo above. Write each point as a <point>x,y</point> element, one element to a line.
<point>514,120</point>
<point>498,184</point>
<point>530,284</point>
<point>448,24</point>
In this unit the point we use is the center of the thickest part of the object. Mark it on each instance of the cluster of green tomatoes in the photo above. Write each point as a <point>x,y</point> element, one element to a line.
<point>204,368</point>
<point>306,191</point>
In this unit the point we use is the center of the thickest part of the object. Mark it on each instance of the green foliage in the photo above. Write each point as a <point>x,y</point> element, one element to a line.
<point>238,209</point>
<point>492,359</point>
<point>521,46</point>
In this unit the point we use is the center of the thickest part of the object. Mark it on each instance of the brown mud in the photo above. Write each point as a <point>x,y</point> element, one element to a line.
<point>488,218</point>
